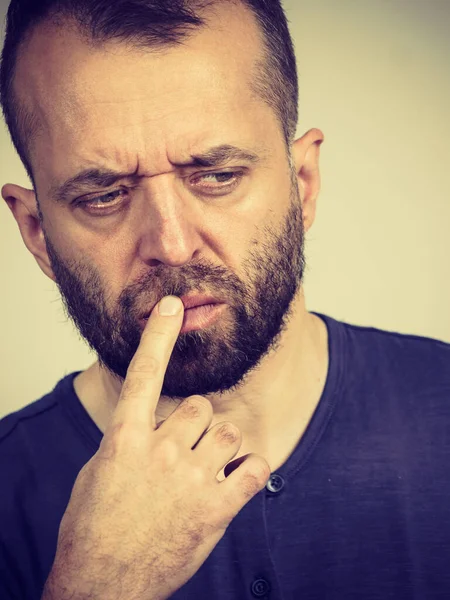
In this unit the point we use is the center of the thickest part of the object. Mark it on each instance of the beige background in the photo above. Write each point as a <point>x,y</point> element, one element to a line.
<point>375,77</point>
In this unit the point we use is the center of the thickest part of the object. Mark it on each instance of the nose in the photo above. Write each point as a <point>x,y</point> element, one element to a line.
<point>169,224</point>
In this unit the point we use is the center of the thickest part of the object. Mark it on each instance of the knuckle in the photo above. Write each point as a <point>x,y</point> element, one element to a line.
<point>197,475</point>
<point>168,452</point>
<point>201,402</point>
<point>251,484</point>
<point>156,332</point>
<point>111,442</point>
<point>147,365</point>
<point>228,433</point>
<point>117,431</point>
<point>134,387</point>
<point>260,467</point>
<point>119,439</point>
<point>194,406</point>
<point>190,410</point>
<point>260,470</point>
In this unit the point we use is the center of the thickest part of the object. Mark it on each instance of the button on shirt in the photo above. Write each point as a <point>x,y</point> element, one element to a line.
<point>260,588</point>
<point>275,483</point>
<point>359,511</point>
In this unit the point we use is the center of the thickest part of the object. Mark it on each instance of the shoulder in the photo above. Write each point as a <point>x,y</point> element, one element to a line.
<point>28,432</point>
<point>409,369</point>
<point>389,360</point>
<point>424,361</point>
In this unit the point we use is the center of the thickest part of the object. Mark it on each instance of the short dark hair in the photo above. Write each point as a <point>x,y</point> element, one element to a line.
<point>149,23</point>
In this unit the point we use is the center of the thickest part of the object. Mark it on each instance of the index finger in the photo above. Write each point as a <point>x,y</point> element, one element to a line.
<point>141,389</point>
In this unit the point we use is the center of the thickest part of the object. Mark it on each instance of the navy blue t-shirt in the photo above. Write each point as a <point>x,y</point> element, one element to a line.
<point>359,511</point>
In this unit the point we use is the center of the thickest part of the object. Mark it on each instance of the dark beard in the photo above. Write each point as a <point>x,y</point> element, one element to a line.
<point>213,360</point>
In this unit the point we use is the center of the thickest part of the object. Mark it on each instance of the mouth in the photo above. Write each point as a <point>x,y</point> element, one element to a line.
<point>201,316</point>
<point>192,301</point>
<point>200,311</point>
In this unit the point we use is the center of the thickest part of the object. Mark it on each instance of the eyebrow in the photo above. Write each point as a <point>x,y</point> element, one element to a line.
<point>97,178</point>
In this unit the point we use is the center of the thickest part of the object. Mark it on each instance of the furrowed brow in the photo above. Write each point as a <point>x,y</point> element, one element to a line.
<point>92,179</point>
<point>219,155</point>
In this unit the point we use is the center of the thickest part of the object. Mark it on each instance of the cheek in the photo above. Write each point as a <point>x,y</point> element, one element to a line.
<point>230,239</point>
<point>111,258</point>
<point>242,230</point>
<point>118,265</point>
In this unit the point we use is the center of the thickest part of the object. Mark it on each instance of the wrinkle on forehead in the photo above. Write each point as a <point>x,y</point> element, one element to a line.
<point>71,86</point>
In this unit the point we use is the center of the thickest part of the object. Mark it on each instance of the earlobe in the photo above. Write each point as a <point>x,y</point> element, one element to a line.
<point>23,205</point>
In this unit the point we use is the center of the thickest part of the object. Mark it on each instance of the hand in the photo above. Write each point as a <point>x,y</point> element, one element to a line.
<point>147,510</point>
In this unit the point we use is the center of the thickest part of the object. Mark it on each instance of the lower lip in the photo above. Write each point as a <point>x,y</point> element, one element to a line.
<point>200,317</point>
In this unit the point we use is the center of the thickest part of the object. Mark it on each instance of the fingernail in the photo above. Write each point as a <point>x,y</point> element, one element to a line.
<point>169,306</point>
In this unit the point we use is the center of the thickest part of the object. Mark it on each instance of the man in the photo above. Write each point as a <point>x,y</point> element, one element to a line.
<point>244,448</point>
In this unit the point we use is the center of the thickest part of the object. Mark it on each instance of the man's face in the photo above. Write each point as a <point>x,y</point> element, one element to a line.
<point>166,229</point>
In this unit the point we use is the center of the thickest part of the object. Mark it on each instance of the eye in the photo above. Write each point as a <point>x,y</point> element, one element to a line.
<point>101,203</point>
<point>226,181</point>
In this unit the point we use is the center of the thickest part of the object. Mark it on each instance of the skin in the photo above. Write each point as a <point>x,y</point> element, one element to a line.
<point>143,112</point>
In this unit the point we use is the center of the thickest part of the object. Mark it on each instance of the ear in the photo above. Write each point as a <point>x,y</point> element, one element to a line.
<point>305,155</point>
<point>23,205</point>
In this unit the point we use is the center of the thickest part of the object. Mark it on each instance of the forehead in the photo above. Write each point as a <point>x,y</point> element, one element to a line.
<point>124,106</point>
